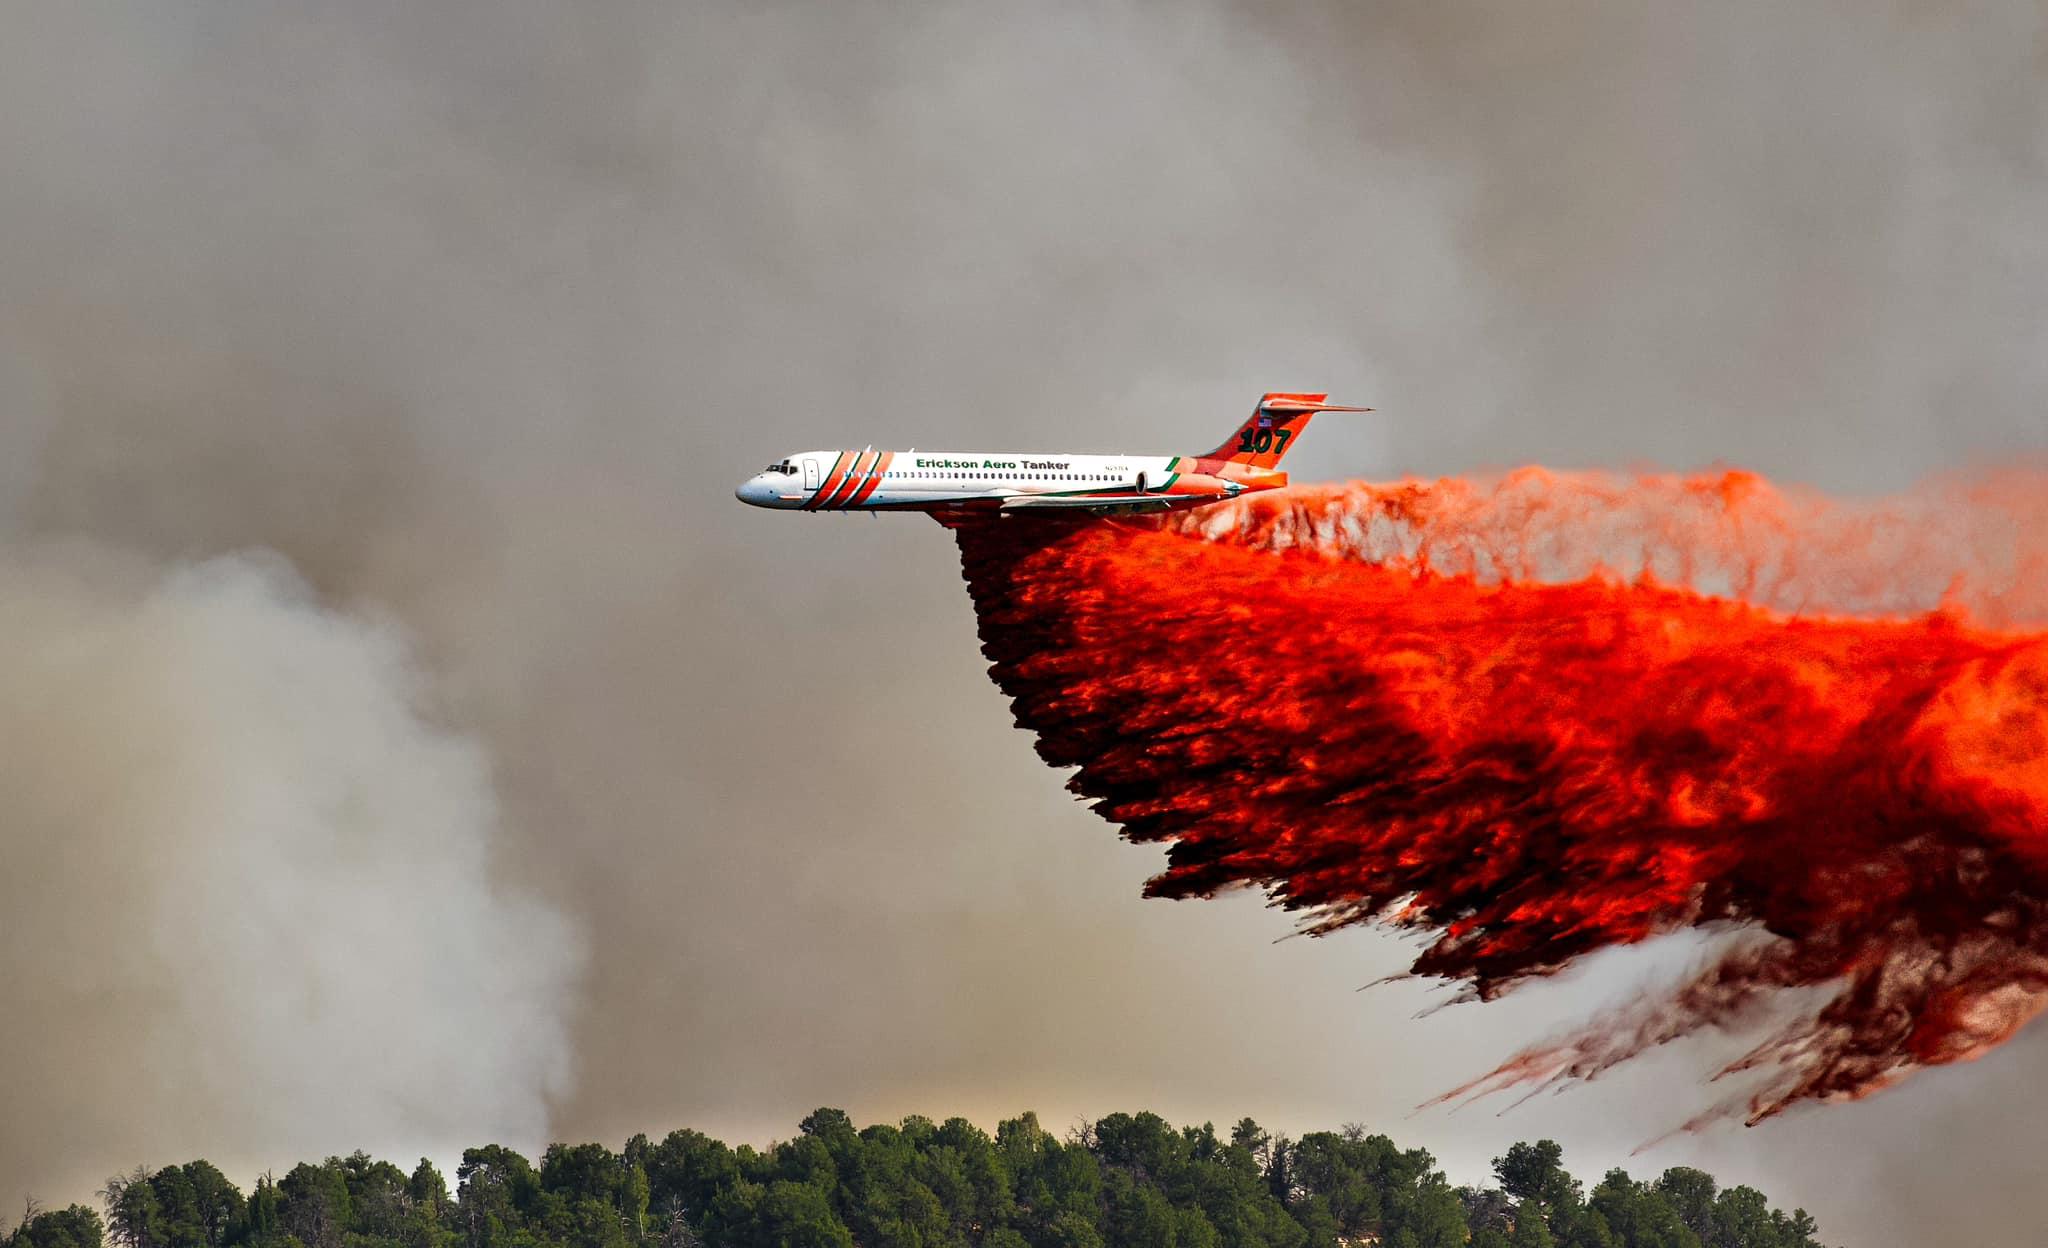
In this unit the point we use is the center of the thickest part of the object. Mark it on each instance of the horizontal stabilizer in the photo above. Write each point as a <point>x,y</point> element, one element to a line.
<point>1263,440</point>
<point>1303,403</point>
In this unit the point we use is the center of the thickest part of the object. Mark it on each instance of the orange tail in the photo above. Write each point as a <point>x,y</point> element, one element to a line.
<point>1278,419</point>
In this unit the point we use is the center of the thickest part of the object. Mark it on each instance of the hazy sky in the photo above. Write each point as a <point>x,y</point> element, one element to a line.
<point>401,707</point>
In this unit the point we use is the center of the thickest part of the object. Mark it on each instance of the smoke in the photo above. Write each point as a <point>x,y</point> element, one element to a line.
<point>248,877</point>
<point>1361,700</point>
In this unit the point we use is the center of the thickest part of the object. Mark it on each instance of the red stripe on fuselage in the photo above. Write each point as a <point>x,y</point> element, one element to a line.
<point>851,483</point>
<point>874,479</point>
<point>832,480</point>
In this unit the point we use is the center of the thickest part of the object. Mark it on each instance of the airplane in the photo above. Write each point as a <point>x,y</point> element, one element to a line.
<point>961,484</point>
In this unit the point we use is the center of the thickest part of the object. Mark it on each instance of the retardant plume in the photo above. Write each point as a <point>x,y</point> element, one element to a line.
<point>1381,703</point>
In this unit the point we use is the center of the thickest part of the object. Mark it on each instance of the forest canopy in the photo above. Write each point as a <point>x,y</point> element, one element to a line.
<point>1127,1181</point>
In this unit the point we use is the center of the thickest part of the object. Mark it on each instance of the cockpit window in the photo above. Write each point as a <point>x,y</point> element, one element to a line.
<point>784,468</point>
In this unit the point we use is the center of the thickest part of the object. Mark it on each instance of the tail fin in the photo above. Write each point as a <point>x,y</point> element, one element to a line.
<point>1278,419</point>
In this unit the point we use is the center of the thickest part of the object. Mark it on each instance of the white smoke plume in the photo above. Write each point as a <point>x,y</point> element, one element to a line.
<point>247,878</point>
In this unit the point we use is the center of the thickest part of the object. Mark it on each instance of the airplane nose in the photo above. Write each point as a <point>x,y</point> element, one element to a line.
<point>754,491</point>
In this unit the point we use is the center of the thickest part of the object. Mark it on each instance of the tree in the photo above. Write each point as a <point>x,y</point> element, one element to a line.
<point>1193,1229</point>
<point>987,1197</point>
<point>134,1219</point>
<point>1125,1181</point>
<point>496,1189</point>
<point>1279,1169</point>
<point>1345,1175</point>
<point>265,1219</point>
<point>1138,1215</point>
<point>599,1200</point>
<point>1691,1193</point>
<point>830,1125</point>
<point>1486,1209</point>
<point>1428,1209</point>
<point>316,1206</point>
<point>427,1208</point>
<point>684,1171</point>
<point>781,1215</point>
<point>380,1204</point>
<point>178,1219</point>
<point>1058,1185</point>
<point>74,1226</point>
<point>1531,1231</point>
<point>1801,1231</point>
<point>427,1188</point>
<point>1574,1225</point>
<point>1639,1215</point>
<point>221,1211</point>
<point>1143,1145</point>
<point>1536,1172</point>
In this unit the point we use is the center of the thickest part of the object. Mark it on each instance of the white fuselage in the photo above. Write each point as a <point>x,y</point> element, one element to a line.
<point>874,480</point>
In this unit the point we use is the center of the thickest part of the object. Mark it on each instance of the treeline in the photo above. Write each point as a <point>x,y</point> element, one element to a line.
<point>1128,1181</point>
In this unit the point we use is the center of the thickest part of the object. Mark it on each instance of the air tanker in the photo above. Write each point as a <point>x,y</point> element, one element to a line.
<point>959,484</point>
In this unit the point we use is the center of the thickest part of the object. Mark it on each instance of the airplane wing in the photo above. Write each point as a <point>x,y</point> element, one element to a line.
<point>1089,504</point>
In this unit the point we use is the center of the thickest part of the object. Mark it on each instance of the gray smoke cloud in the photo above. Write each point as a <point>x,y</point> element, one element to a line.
<point>472,313</point>
<point>248,881</point>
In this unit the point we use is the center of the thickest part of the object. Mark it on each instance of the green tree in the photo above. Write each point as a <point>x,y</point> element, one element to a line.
<point>1427,1209</point>
<point>684,1172</point>
<point>427,1188</point>
<point>1742,1219</point>
<point>221,1210</point>
<point>830,1125</point>
<point>380,1202</point>
<point>595,1198</point>
<point>134,1219</point>
<point>197,1206</point>
<point>1138,1215</point>
<point>1531,1230</point>
<point>1141,1145</point>
<point>74,1226</point>
<point>1545,1192</point>
<point>428,1209</point>
<point>1486,1209</point>
<point>1691,1193</point>
<point>178,1219</point>
<point>264,1212</point>
<point>1125,1181</point>
<point>496,1190</point>
<point>1536,1172</point>
<point>316,1208</point>
<point>1639,1215</point>
<point>984,1196</point>
<point>1801,1231</point>
<point>1057,1185</point>
<point>1575,1225</point>
<point>1345,1177</point>
<point>780,1215</point>
<point>1194,1230</point>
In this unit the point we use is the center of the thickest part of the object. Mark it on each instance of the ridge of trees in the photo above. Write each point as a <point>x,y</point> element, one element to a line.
<point>1126,1181</point>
